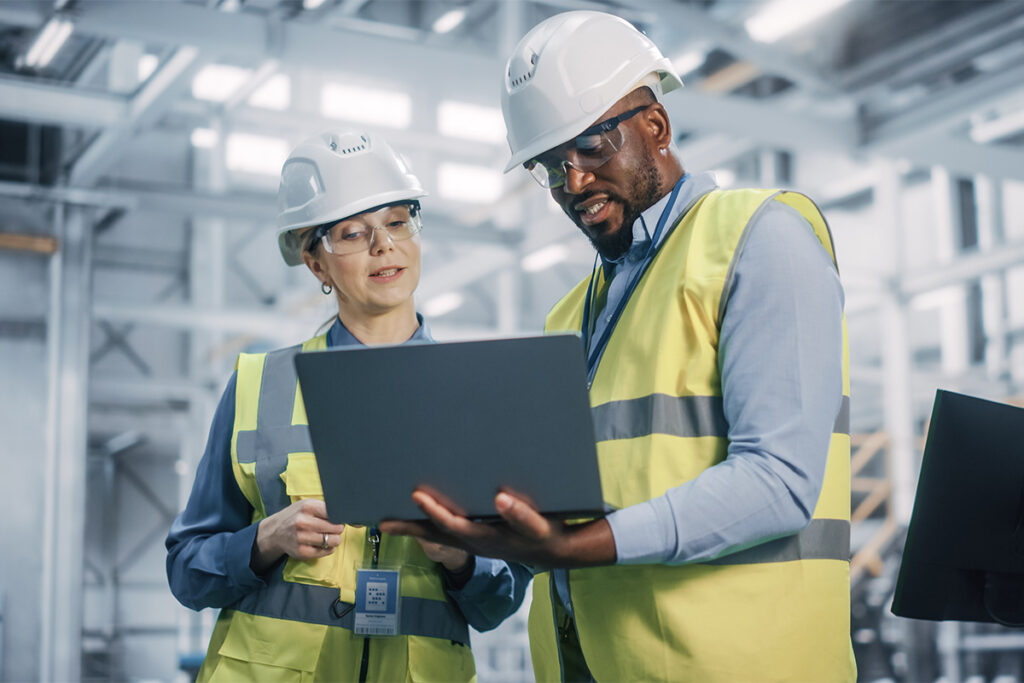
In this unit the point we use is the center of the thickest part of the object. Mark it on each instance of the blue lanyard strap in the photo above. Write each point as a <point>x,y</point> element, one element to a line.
<point>587,327</point>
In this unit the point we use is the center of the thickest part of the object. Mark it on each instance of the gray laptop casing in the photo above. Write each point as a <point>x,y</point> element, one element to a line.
<point>463,420</point>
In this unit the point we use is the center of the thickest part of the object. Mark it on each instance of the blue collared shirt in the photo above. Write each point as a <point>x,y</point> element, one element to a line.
<point>210,543</point>
<point>780,361</point>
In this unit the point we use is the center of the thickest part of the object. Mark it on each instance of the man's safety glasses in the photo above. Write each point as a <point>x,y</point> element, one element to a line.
<point>587,151</point>
<point>355,234</point>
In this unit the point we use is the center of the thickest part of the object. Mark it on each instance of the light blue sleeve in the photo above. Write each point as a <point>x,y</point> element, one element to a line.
<point>780,358</point>
<point>210,543</point>
<point>493,593</point>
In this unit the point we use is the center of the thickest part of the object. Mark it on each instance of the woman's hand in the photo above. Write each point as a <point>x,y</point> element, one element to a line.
<point>301,530</point>
<point>453,559</point>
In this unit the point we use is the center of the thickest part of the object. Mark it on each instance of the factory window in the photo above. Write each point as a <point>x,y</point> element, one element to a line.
<point>968,214</point>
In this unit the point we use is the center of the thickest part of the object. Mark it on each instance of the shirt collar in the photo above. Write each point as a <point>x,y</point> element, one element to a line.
<point>643,226</point>
<point>339,335</point>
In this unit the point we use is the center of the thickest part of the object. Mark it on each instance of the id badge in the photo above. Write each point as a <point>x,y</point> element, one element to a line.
<point>377,602</point>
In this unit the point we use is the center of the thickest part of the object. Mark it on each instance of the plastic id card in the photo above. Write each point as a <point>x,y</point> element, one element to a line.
<point>377,602</point>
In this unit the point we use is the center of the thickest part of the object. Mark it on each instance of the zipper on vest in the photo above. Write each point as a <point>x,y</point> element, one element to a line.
<point>373,537</point>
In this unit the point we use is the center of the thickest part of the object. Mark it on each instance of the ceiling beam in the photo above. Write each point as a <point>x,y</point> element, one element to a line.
<point>265,322</point>
<point>966,268</point>
<point>942,110</point>
<point>25,99</point>
<point>959,156</point>
<point>152,100</point>
<point>252,38</point>
<point>764,122</point>
<point>879,69</point>
<point>245,206</point>
<point>193,113</point>
<point>696,23</point>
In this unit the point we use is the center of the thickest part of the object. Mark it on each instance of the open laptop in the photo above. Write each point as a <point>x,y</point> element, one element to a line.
<point>462,420</point>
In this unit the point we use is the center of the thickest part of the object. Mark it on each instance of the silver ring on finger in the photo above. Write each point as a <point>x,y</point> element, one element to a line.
<point>325,545</point>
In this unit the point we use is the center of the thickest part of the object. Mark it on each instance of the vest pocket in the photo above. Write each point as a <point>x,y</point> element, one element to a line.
<point>264,649</point>
<point>302,480</point>
<point>433,659</point>
<point>301,477</point>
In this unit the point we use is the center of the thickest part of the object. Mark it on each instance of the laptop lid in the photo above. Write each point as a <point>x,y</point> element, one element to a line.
<point>463,420</point>
<point>964,555</point>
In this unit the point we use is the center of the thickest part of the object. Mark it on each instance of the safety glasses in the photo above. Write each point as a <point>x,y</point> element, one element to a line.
<point>355,234</point>
<point>587,151</point>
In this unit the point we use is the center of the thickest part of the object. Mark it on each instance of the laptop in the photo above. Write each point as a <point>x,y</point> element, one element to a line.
<point>461,420</point>
<point>964,555</point>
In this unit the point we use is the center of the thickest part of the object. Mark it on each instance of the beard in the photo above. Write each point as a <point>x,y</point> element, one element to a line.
<point>645,193</point>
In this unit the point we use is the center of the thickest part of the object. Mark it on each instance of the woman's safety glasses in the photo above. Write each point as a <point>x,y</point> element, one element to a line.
<point>588,150</point>
<point>355,234</point>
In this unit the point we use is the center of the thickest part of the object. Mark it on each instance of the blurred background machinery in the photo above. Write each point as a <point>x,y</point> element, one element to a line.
<point>139,146</point>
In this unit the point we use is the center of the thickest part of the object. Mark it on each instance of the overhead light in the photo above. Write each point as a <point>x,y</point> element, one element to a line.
<point>218,82</point>
<point>311,4</point>
<point>470,121</point>
<point>449,20</point>
<point>545,257</point>
<point>995,129</point>
<point>688,61</point>
<point>467,183</point>
<point>48,42</point>
<point>367,105</point>
<point>275,94</point>
<point>147,65</point>
<point>204,138</point>
<point>255,153</point>
<point>442,304</point>
<point>782,17</point>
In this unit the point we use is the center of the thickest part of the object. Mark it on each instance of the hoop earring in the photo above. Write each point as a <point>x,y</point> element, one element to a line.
<point>326,288</point>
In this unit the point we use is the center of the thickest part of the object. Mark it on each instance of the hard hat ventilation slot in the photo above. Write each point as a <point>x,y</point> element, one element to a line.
<point>521,75</point>
<point>360,146</point>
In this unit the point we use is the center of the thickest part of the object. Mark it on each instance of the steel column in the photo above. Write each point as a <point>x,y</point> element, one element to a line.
<point>64,502</point>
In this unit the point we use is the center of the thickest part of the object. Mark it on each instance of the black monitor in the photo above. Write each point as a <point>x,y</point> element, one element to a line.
<point>964,556</point>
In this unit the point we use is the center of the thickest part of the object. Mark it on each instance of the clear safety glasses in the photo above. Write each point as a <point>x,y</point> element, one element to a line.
<point>587,151</point>
<point>355,234</point>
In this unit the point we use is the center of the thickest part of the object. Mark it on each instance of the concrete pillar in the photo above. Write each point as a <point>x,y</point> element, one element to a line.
<point>64,505</point>
<point>991,235</point>
<point>897,379</point>
<point>954,329</point>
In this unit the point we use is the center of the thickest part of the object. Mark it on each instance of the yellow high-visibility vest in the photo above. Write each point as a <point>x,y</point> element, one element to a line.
<point>779,611</point>
<point>299,627</point>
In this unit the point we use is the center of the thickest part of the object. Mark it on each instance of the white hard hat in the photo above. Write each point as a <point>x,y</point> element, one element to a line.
<point>567,71</point>
<point>336,175</point>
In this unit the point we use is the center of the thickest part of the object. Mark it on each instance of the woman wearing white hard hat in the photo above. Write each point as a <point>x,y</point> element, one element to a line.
<point>254,539</point>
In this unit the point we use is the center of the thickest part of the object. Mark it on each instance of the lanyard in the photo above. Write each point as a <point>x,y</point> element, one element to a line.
<point>593,360</point>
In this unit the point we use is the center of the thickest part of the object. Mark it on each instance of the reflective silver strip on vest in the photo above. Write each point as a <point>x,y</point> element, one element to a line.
<point>689,416</point>
<point>684,416</point>
<point>282,599</point>
<point>842,424</point>
<point>276,436</point>
<point>822,539</point>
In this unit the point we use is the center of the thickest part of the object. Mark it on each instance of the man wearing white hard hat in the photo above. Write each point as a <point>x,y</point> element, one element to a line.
<point>254,539</point>
<point>714,336</point>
